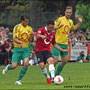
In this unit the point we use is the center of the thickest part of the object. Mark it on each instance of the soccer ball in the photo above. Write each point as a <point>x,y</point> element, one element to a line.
<point>58,79</point>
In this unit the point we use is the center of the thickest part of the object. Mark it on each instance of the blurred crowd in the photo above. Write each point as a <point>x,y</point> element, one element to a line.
<point>79,37</point>
<point>6,43</point>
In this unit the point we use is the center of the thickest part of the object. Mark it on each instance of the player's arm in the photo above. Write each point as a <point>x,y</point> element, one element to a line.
<point>79,23</point>
<point>57,27</point>
<point>56,46</point>
<point>16,34</point>
<point>39,34</point>
<point>58,24</point>
<point>60,49</point>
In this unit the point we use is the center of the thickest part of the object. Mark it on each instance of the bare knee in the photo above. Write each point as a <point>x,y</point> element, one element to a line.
<point>14,65</point>
<point>50,60</point>
<point>55,59</point>
<point>26,62</point>
<point>42,66</point>
<point>64,60</point>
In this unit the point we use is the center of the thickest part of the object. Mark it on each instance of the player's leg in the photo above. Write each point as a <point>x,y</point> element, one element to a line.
<point>44,71</point>
<point>51,67</point>
<point>15,58</point>
<point>40,58</point>
<point>25,56</point>
<point>61,65</point>
<point>64,59</point>
<point>9,67</point>
<point>23,71</point>
<point>55,53</point>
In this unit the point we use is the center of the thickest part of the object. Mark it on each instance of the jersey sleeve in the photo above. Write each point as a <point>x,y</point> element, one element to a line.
<point>39,31</point>
<point>53,41</point>
<point>72,25</point>
<point>58,22</point>
<point>16,31</point>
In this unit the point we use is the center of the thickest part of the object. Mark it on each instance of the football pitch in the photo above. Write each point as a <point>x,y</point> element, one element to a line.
<point>76,77</point>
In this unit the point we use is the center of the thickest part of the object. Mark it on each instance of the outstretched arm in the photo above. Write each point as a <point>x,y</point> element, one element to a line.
<point>57,47</point>
<point>79,23</point>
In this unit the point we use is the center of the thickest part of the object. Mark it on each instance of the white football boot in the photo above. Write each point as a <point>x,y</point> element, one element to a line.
<point>5,70</point>
<point>18,82</point>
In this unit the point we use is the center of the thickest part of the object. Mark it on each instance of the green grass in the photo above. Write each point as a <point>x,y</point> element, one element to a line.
<point>76,76</point>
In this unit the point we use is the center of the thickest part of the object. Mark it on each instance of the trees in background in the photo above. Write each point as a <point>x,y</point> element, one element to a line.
<point>35,8</point>
<point>84,11</point>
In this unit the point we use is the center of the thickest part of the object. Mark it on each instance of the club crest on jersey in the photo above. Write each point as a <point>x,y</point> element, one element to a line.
<point>51,36</point>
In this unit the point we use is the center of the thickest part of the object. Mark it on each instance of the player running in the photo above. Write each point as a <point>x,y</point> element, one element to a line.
<point>46,36</point>
<point>21,36</point>
<point>61,36</point>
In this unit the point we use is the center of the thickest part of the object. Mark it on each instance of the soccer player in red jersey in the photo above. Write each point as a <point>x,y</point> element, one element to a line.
<point>46,36</point>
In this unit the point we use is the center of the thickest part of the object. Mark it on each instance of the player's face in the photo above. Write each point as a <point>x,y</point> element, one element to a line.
<point>25,22</point>
<point>50,27</point>
<point>68,13</point>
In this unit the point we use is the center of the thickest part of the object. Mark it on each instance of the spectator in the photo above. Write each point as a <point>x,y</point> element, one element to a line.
<point>88,57</point>
<point>2,59</point>
<point>81,57</point>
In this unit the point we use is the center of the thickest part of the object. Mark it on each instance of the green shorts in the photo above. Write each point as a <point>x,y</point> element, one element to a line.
<point>20,54</point>
<point>56,52</point>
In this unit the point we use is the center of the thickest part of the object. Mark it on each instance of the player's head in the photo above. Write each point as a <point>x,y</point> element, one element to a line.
<point>24,20</point>
<point>68,12</point>
<point>50,25</point>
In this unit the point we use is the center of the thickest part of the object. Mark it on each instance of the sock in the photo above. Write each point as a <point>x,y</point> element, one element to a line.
<point>52,70</point>
<point>9,67</point>
<point>49,72</point>
<point>22,73</point>
<point>59,69</point>
<point>44,71</point>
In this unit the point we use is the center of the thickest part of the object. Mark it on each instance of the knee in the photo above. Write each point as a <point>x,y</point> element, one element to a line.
<point>42,66</point>
<point>26,64</point>
<point>14,66</point>
<point>63,63</point>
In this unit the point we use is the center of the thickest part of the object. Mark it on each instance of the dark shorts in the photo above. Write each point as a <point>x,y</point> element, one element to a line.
<point>42,56</point>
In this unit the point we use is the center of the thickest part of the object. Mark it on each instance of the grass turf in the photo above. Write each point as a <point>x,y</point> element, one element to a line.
<point>76,76</point>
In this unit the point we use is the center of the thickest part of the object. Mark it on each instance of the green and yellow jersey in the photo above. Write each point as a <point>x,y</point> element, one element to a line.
<point>62,33</point>
<point>22,33</point>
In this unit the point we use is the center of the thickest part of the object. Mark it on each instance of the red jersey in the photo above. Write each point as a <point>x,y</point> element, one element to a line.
<point>44,44</point>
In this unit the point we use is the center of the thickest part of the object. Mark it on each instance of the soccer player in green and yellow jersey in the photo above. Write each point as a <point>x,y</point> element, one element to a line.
<point>21,36</point>
<point>63,26</point>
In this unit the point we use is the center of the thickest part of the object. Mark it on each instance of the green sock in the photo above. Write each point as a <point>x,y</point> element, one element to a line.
<point>22,73</point>
<point>59,69</point>
<point>9,67</point>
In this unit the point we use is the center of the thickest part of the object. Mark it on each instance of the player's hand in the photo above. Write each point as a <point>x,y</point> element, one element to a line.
<point>79,19</point>
<point>21,45</point>
<point>44,37</point>
<point>32,34</point>
<point>65,50</point>
<point>61,25</point>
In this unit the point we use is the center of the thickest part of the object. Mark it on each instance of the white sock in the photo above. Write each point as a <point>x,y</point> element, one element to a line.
<point>44,71</point>
<point>52,70</point>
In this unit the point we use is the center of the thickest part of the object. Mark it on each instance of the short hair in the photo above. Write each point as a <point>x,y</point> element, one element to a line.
<point>23,17</point>
<point>69,7</point>
<point>50,22</point>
